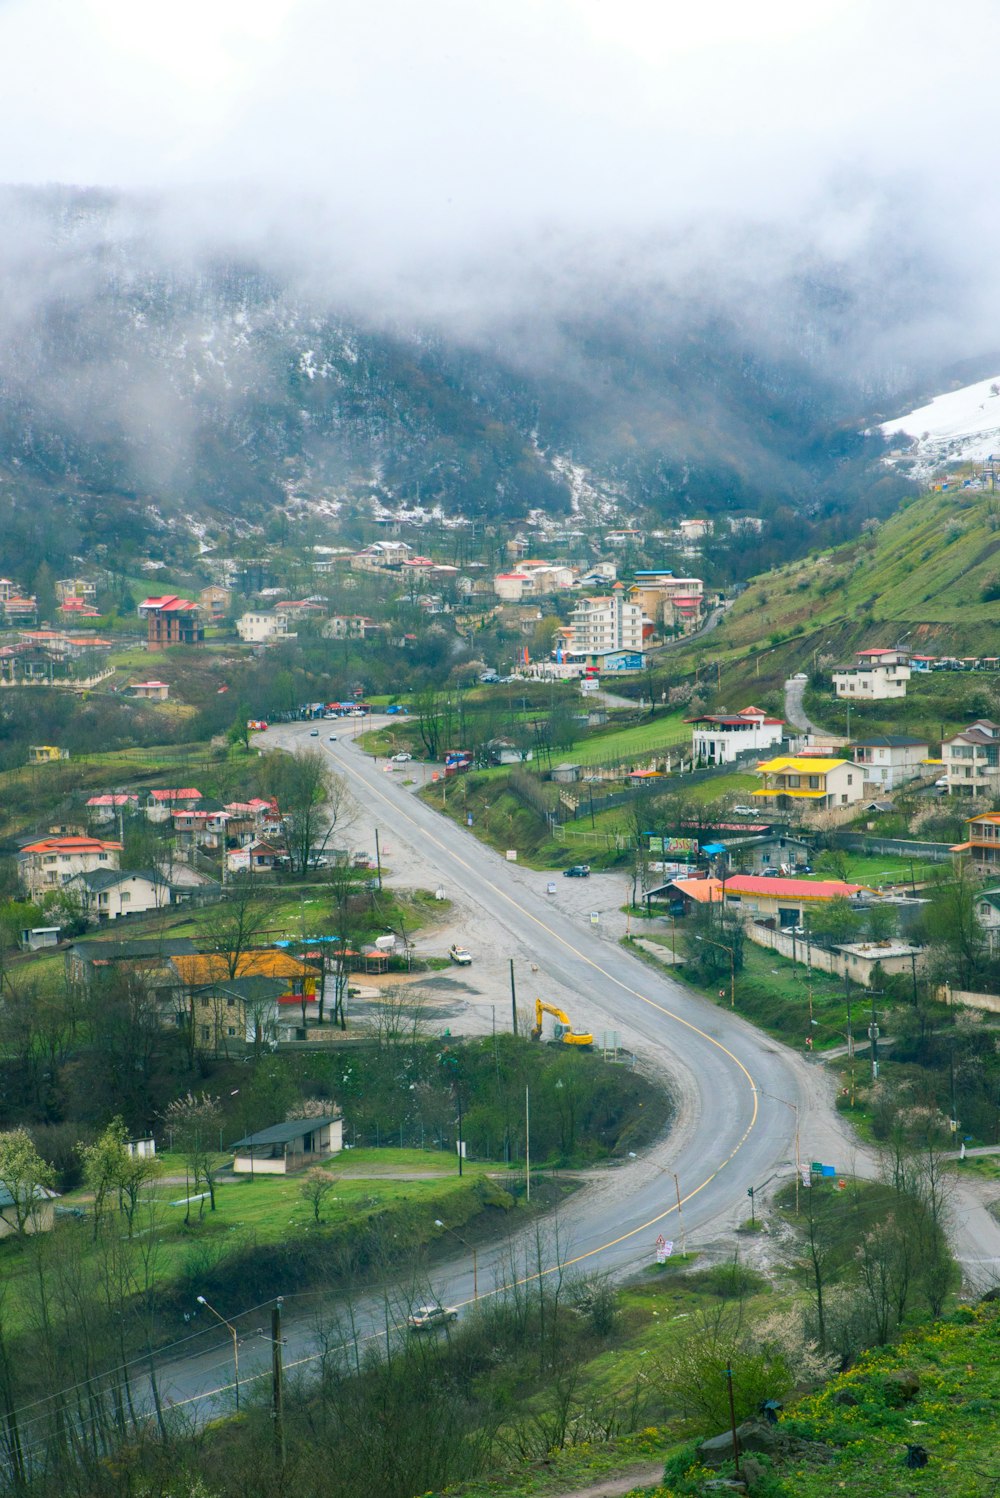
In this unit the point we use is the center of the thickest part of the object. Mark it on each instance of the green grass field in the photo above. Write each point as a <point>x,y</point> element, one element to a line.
<point>266,1210</point>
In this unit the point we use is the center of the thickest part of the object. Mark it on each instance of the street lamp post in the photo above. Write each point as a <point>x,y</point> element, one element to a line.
<point>471,1247</point>
<point>798,1162</point>
<point>236,1342</point>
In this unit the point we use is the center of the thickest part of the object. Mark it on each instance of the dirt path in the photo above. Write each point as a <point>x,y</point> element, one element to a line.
<point>613,1487</point>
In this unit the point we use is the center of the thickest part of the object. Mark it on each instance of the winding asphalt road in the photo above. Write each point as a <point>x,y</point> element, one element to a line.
<point>746,1107</point>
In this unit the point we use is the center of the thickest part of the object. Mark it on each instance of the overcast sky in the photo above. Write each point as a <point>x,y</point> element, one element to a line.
<point>444,126</point>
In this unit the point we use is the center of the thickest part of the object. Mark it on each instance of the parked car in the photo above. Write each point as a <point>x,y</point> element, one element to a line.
<point>333,738</point>
<point>402,759</point>
<point>460,955</point>
<point>550,888</point>
<point>941,784</point>
<point>801,676</point>
<point>743,811</point>
<point>428,1318</point>
<point>314,733</point>
<point>577,871</point>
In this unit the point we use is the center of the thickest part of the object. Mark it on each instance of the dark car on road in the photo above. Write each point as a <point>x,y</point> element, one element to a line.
<point>577,871</point>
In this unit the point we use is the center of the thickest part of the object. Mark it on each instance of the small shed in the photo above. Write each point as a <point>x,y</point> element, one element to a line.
<point>33,938</point>
<point>566,774</point>
<point>287,1147</point>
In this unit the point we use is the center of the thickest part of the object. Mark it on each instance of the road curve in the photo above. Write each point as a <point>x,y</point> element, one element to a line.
<point>746,1106</point>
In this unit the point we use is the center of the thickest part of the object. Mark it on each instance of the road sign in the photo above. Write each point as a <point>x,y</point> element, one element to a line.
<point>663,1250</point>
<point>594,918</point>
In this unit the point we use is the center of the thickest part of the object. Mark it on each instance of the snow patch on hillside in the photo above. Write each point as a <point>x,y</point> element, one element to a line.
<point>962,426</point>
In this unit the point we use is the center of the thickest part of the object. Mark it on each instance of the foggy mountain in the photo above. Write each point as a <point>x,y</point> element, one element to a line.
<point>148,382</point>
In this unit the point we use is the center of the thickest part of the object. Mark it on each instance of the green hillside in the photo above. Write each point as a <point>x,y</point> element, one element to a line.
<point>928,572</point>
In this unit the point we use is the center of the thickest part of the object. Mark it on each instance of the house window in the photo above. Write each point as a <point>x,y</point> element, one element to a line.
<point>814,782</point>
<point>230,1003</point>
<point>204,1003</point>
<point>843,800</point>
<point>206,1033</point>
<point>794,781</point>
<point>850,780</point>
<point>230,1029</point>
<point>102,857</point>
<point>125,897</point>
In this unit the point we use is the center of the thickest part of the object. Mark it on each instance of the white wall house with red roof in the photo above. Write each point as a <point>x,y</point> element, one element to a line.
<point>48,863</point>
<point>720,738</point>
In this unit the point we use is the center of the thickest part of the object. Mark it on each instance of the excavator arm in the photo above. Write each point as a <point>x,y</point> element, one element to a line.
<point>564,1031</point>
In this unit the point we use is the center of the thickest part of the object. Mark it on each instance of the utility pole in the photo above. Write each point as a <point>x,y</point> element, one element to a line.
<point>378,861</point>
<point>527,1145</point>
<point>873,1037</point>
<point>513,999</point>
<point>277,1389</point>
<point>458,1096</point>
<point>732,1419</point>
<point>680,1216</point>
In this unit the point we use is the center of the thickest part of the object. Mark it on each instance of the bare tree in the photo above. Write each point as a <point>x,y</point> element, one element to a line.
<point>316,1186</point>
<point>234,926</point>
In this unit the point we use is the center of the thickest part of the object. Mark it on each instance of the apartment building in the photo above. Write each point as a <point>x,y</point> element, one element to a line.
<point>972,760</point>
<point>601,626</point>
<point>875,676</point>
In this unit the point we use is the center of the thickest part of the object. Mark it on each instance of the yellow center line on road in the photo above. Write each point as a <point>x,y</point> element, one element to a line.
<point>618,983</point>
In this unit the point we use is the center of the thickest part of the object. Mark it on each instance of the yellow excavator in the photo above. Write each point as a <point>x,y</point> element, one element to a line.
<point>564,1032</point>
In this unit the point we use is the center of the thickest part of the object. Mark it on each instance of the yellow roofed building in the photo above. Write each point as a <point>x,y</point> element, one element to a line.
<point>804,780</point>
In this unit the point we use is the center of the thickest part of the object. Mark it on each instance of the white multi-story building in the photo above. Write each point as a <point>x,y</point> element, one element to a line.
<point>50,862</point>
<point>890,760</point>
<point>972,760</point>
<point>263,628</point>
<point>719,738</point>
<point>601,626</point>
<point>875,676</point>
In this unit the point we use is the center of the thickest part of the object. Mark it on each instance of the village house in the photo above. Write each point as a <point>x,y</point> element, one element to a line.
<point>194,973</point>
<point>875,676</point>
<point>75,608</point>
<point>719,738</point>
<point>674,604</point>
<point>629,536</point>
<point>171,620</point>
<point>890,760</point>
<point>694,529</point>
<point>199,827</point>
<point>76,587</point>
<point>146,959</point>
<point>982,842</point>
<point>214,602</point>
<point>758,897</point>
<point>988,916</point>
<point>16,608</point>
<point>111,805</point>
<point>972,760</point>
<point>769,850</point>
<point>821,782</point>
<point>149,691</point>
<point>264,627</point>
<point>255,857</point>
<point>350,627</point>
<point>235,1013</point>
<point>106,894</point>
<point>381,555</point>
<point>51,861</point>
<point>161,805</point>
